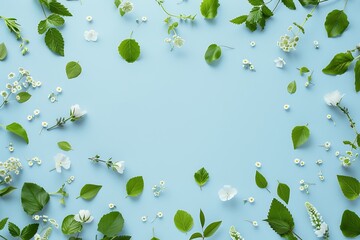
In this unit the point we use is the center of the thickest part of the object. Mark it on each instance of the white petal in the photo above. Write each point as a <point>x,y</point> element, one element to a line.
<point>77,218</point>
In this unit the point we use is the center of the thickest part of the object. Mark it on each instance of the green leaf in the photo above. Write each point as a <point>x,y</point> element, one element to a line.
<point>280,218</point>
<point>73,69</point>
<point>349,186</point>
<point>258,16</point>
<point>336,23</point>
<point>301,28</point>
<point>56,20</point>
<point>357,77</point>
<point>239,20</point>
<point>309,2</point>
<point>3,51</point>
<point>183,221</point>
<point>291,88</point>
<point>350,224</point>
<point>3,223</point>
<point>303,70</point>
<point>202,218</point>
<point>33,198</point>
<point>256,2</point>
<point>129,50</point>
<point>70,225</point>
<point>6,191</point>
<point>89,191</point>
<point>209,8</point>
<point>212,53</point>
<point>23,97</point>
<point>29,231</point>
<point>211,229</point>
<point>43,26</point>
<point>350,144</point>
<point>260,180</point>
<point>122,12</point>
<point>18,130</point>
<point>65,146</point>
<point>289,4</point>
<point>13,230</point>
<point>117,3</point>
<point>196,235</point>
<point>111,224</point>
<point>56,7</point>
<point>172,26</point>
<point>283,192</point>
<point>201,177</point>
<point>300,135</point>
<point>339,64</point>
<point>54,40</point>
<point>135,186</point>
<point>358,140</point>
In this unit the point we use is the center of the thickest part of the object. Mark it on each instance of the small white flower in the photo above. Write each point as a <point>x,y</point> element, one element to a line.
<point>323,229</point>
<point>227,192</point>
<point>286,107</point>
<point>144,19</point>
<point>11,75</point>
<point>61,161</point>
<point>144,218</point>
<point>178,41</point>
<point>30,163</point>
<point>319,162</point>
<point>59,89</point>
<point>111,205</point>
<point>297,161</point>
<point>316,44</point>
<point>245,62</point>
<point>127,6</point>
<point>36,217</point>
<point>167,40</point>
<point>38,84</point>
<point>252,43</point>
<point>162,182</point>
<point>337,153</point>
<point>302,163</point>
<point>37,237</point>
<point>301,188</point>
<point>91,35</point>
<point>329,116</point>
<point>89,18</point>
<point>119,167</point>
<point>258,164</point>
<point>36,112</point>
<point>279,62</point>
<point>255,223</point>
<point>159,215</point>
<point>76,111</point>
<point>251,199</point>
<point>333,98</point>
<point>84,216</point>
<point>44,124</point>
<point>29,117</point>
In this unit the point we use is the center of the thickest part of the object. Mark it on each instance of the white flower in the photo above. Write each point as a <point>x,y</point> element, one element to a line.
<point>251,199</point>
<point>144,19</point>
<point>227,192</point>
<point>127,6</point>
<point>76,111</point>
<point>89,18</point>
<point>286,107</point>
<point>253,43</point>
<point>279,62</point>
<point>323,229</point>
<point>111,205</point>
<point>144,218</point>
<point>333,98</point>
<point>84,216</point>
<point>37,237</point>
<point>178,41</point>
<point>36,112</point>
<point>59,89</point>
<point>255,223</point>
<point>61,161</point>
<point>258,164</point>
<point>167,40</point>
<point>119,167</point>
<point>44,124</point>
<point>91,36</point>
<point>159,215</point>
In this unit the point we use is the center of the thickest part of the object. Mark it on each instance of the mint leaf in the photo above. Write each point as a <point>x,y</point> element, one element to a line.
<point>201,177</point>
<point>212,53</point>
<point>291,88</point>
<point>70,225</point>
<point>18,130</point>
<point>339,64</point>
<point>56,20</point>
<point>3,223</point>
<point>23,97</point>
<point>3,51</point>
<point>33,198</point>
<point>209,8</point>
<point>56,7</point>
<point>289,4</point>
<point>260,180</point>
<point>349,186</point>
<point>29,231</point>
<point>6,190</point>
<point>212,228</point>
<point>303,70</point>
<point>350,224</point>
<point>65,146</point>
<point>111,224</point>
<point>13,229</point>
<point>357,77</point>
<point>129,50</point>
<point>283,192</point>
<point>135,186</point>
<point>183,221</point>
<point>239,20</point>
<point>54,40</point>
<point>280,218</point>
<point>300,135</point>
<point>73,69</point>
<point>89,191</point>
<point>43,26</point>
<point>258,16</point>
<point>336,23</point>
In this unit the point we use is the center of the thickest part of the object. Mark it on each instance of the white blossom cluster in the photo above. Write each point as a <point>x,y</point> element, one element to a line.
<point>235,235</point>
<point>12,165</point>
<point>320,227</point>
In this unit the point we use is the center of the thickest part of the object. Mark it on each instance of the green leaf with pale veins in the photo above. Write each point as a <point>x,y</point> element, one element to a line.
<point>55,41</point>
<point>283,192</point>
<point>18,130</point>
<point>350,224</point>
<point>6,190</point>
<point>111,224</point>
<point>3,223</point>
<point>70,225</point>
<point>65,146</point>
<point>73,69</point>
<point>336,23</point>
<point>201,177</point>
<point>135,186</point>
<point>56,7</point>
<point>300,135</point>
<point>33,198</point>
<point>129,50</point>
<point>56,20</point>
<point>22,97</point>
<point>3,51</point>
<point>183,221</point>
<point>349,186</point>
<point>291,88</point>
<point>43,26</point>
<point>212,53</point>
<point>29,231</point>
<point>89,191</point>
<point>211,229</point>
<point>209,8</point>
<point>339,64</point>
<point>239,20</point>
<point>13,230</point>
<point>280,218</point>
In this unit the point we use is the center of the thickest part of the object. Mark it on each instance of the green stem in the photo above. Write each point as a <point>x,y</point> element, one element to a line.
<point>59,123</point>
<point>173,15</point>
<point>10,93</point>
<point>357,58</point>
<point>346,1</point>
<point>351,121</point>
<point>307,18</point>
<point>42,7</point>
<point>277,4</point>
<point>3,237</point>
<point>297,236</point>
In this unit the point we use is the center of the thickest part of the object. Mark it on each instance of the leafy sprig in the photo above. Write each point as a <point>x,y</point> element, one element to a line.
<point>14,28</point>
<point>207,231</point>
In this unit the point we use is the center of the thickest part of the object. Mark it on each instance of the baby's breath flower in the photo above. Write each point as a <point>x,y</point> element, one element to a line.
<point>144,19</point>
<point>252,43</point>
<point>44,124</point>
<point>178,41</point>
<point>251,199</point>
<point>258,164</point>
<point>144,218</point>
<point>159,215</point>
<point>167,40</point>
<point>319,162</point>
<point>316,44</point>
<point>36,112</point>
<point>59,89</point>
<point>302,163</point>
<point>286,107</point>
<point>235,235</point>
<point>111,205</point>
<point>89,18</point>
<point>255,223</point>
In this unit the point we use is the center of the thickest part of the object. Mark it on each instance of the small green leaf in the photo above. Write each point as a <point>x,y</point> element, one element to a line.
<point>196,235</point>
<point>303,70</point>
<point>301,28</point>
<point>129,50</point>
<point>336,23</point>
<point>283,192</point>
<point>349,186</point>
<point>358,140</point>
<point>3,51</point>
<point>6,190</point>
<point>183,221</point>
<point>3,223</point>
<point>350,224</point>
<point>357,77</point>
<point>70,225</point>
<point>65,146</point>
<point>289,4</point>
<point>209,8</point>
<point>43,26</point>
<point>13,230</point>
<point>350,144</point>
<point>305,3</point>
<point>54,40</point>
<point>33,198</point>
<point>239,20</point>
<point>201,177</point>
<point>18,130</point>
<point>260,180</point>
<point>135,186</point>
<point>280,218</point>
<point>173,26</point>
<point>202,218</point>
<point>300,135</point>
<point>56,20</point>
<point>256,2</point>
<point>212,228</point>
<point>23,97</point>
<point>89,191</point>
<point>339,64</point>
<point>117,3</point>
<point>29,231</point>
<point>291,88</point>
<point>56,7</point>
<point>73,69</point>
<point>212,53</point>
<point>111,224</point>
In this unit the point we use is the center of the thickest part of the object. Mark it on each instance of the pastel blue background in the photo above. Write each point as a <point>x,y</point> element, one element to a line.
<point>169,114</point>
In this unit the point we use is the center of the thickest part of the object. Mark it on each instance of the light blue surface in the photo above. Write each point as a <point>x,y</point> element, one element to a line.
<point>170,114</point>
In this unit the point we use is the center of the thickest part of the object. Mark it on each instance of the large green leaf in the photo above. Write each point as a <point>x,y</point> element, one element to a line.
<point>208,8</point>
<point>73,69</point>
<point>13,230</point>
<point>3,51</point>
<point>33,198</point>
<point>29,231</point>
<point>70,225</point>
<point>135,186</point>
<point>55,41</point>
<point>300,135</point>
<point>349,186</point>
<point>212,53</point>
<point>350,224</point>
<point>280,218</point>
<point>339,64</point>
<point>111,224</point>
<point>18,130</point>
<point>183,221</point>
<point>129,50</point>
<point>336,23</point>
<point>89,191</point>
<point>56,7</point>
